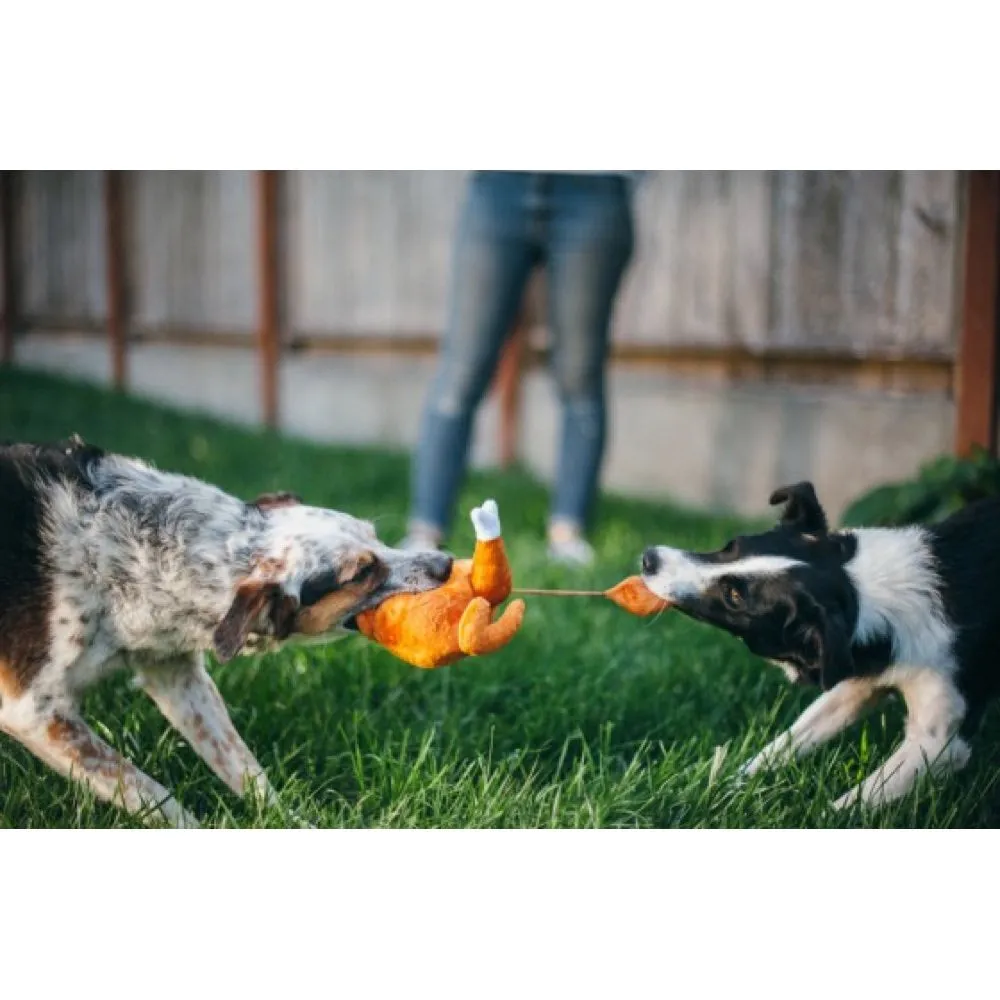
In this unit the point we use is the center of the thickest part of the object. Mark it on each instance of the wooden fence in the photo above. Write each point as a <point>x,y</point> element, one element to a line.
<point>886,275</point>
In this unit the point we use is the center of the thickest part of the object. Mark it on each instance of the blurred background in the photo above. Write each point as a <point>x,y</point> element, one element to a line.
<point>773,326</point>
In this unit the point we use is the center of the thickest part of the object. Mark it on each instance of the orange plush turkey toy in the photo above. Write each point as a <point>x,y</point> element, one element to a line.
<point>441,626</point>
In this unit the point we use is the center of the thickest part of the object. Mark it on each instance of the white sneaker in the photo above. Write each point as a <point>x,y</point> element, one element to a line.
<point>571,552</point>
<point>420,540</point>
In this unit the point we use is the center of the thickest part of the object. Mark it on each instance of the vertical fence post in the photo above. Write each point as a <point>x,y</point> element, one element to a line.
<point>8,285</point>
<point>268,318</point>
<point>115,274</point>
<point>976,368</point>
<point>508,389</point>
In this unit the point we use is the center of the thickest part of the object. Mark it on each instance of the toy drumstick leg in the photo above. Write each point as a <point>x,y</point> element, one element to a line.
<point>477,635</point>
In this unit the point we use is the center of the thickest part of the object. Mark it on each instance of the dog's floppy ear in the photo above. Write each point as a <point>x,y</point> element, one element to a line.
<point>803,510</point>
<point>254,597</point>
<point>826,639</point>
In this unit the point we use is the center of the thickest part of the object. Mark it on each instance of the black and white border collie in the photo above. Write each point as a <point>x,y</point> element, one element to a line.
<point>107,563</point>
<point>859,613</point>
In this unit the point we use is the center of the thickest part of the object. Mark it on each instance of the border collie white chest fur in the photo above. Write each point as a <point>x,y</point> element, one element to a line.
<point>860,613</point>
<point>108,563</point>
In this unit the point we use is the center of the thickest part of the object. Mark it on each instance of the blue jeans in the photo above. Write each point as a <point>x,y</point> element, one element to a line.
<point>579,227</point>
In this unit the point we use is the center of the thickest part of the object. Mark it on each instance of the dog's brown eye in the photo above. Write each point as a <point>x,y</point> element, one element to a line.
<point>733,595</point>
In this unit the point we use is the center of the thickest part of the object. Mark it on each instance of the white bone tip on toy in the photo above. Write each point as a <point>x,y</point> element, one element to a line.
<point>486,521</point>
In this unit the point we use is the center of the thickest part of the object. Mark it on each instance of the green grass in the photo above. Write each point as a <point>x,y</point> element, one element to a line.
<point>589,718</point>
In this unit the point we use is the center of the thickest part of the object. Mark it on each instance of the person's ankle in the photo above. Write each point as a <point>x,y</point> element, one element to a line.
<point>567,546</point>
<point>564,530</point>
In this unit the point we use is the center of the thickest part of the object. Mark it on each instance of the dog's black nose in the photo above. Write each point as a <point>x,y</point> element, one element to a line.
<point>650,561</point>
<point>438,565</point>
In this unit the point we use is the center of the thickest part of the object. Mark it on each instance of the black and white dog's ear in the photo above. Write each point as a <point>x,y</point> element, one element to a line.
<point>825,640</point>
<point>803,511</point>
<point>253,599</point>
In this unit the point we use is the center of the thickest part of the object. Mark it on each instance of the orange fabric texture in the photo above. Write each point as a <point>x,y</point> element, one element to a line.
<point>441,626</point>
<point>634,596</point>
